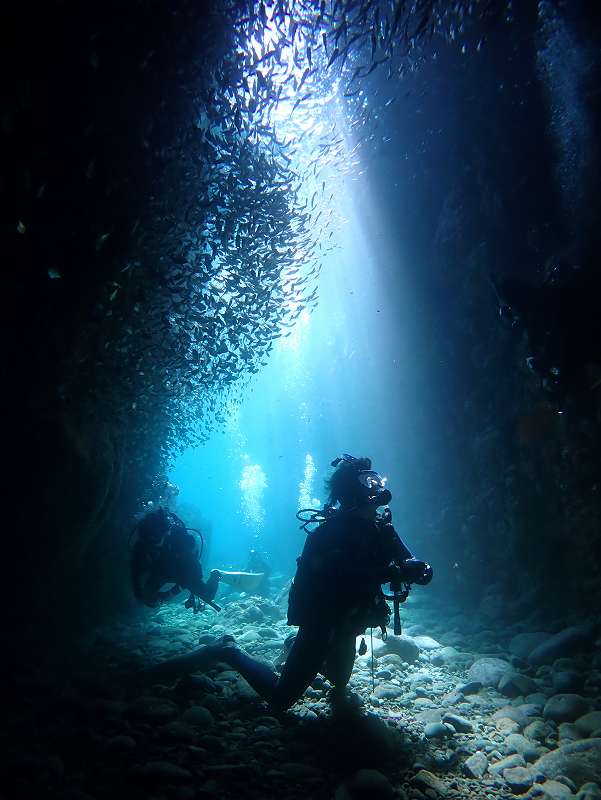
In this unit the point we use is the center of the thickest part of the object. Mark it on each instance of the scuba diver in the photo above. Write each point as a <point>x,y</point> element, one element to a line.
<point>562,321</point>
<point>335,595</point>
<point>165,551</point>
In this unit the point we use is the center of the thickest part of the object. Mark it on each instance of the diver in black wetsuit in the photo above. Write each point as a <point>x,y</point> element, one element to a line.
<point>336,593</point>
<point>165,551</point>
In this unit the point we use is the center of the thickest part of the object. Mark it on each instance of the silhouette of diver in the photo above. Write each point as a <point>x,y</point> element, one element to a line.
<point>336,593</point>
<point>165,551</point>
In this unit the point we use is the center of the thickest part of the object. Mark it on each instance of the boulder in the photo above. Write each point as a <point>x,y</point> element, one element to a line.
<point>488,671</point>
<point>475,766</point>
<point>198,717</point>
<point>589,723</point>
<point>522,714</point>
<point>516,743</point>
<point>568,732</point>
<point>578,761</point>
<point>554,790</point>
<point>565,707</point>
<point>438,730</point>
<point>402,646</point>
<point>567,681</point>
<point>536,730</point>
<point>519,779</point>
<point>590,791</point>
<point>371,785</point>
<point>510,762</point>
<point>523,644</point>
<point>426,643</point>
<point>576,639</point>
<point>388,691</point>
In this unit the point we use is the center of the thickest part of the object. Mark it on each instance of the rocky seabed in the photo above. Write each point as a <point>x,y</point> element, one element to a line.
<point>459,710</point>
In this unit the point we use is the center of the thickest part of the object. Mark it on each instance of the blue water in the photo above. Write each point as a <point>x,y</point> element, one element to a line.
<point>345,380</point>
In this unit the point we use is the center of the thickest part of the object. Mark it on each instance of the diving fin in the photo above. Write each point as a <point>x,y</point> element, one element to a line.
<point>242,581</point>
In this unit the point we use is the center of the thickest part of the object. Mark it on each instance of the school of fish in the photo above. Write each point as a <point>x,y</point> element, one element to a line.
<point>247,206</point>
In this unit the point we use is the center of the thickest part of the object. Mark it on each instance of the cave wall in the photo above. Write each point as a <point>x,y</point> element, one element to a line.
<point>92,94</point>
<point>512,497</point>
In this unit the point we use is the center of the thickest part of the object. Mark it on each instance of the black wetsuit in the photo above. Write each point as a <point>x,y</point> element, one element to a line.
<point>174,558</point>
<point>335,595</point>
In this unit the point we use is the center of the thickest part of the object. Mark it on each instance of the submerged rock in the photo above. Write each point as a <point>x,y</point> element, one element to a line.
<point>523,644</point>
<point>162,772</point>
<point>519,779</point>
<point>438,730</point>
<point>387,691</point>
<point>460,724</point>
<point>488,671</point>
<point>567,681</point>
<point>513,684</point>
<point>476,765</point>
<point>565,707</point>
<point>198,716</point>
<point>554,790</point>
<point>154,709</point>
<point>402,646</point>
<point>579,761</point>
<point>367,783</point>
<point>426,643</point>
<point>427,782</point>
<point>589,723</point>
<point>516,743</point>
<point>567,642</point>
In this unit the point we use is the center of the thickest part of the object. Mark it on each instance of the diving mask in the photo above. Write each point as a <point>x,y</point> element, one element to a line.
<point>373,487</point>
